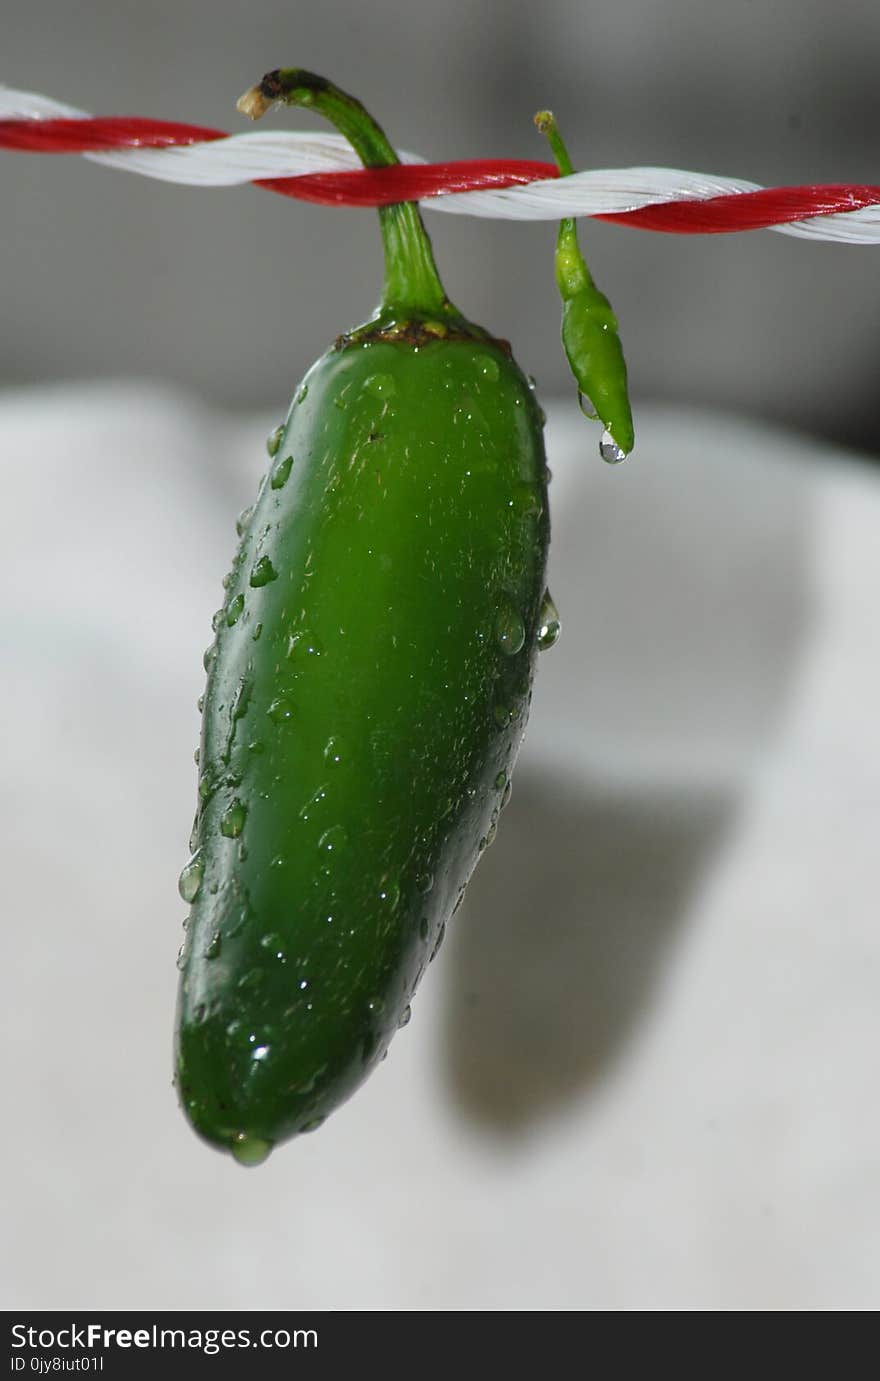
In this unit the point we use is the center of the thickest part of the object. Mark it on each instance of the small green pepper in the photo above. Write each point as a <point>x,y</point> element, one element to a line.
<point>367,692</point>
<point>589,327</point>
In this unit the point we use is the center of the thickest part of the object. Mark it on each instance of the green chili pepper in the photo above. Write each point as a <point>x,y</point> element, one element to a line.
<point>367,692</point>
<point>589,326</point>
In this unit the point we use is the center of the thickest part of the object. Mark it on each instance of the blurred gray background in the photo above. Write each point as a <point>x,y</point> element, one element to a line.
<point>638,1074</point>
<point>235,292</point>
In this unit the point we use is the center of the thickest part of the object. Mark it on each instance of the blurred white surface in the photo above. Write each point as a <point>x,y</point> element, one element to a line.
<point>641,1074</point>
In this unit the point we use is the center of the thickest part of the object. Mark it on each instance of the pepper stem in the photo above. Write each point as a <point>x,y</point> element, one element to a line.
<point>412,283</point>
<point>572,274</point>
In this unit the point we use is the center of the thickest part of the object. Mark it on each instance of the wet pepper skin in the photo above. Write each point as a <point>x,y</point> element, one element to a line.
<point>366,699</point>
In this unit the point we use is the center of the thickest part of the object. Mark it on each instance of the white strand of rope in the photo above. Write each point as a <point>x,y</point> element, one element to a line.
<point>241,158</point>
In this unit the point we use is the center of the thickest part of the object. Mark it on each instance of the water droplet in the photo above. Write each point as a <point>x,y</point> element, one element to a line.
<point>199,1013</point>
<point>333,840</point>
<point>281,472</point>
<point>190,879</point>
<point>217,618</point>
<point>405,1017</point>
<point>242,522</point>
<point>503,715</point>
<point>232,819</point>
<point>256,633</point>
<point>208,656</point>
<point>501,781</point>
<point>389,892</point>
<point>273,441</point>
<point>424,928</point>
<point>182,956</point>
<point>237,712</point>
<point>440,938</point>
<point>242,696</point>
<point>275,946</point>
<point>215,944</point>
<point>200,704</point>
<point>250,1150</point>
<point>586,406</point>
<point>233,613</point>
<point>303,394</point>
<point>525,501</point>
<point>510,631</point>
<point>334,751</point>
<point>280,710</point>
<point>315,801</point>
<point>490,835</point>
<point>609,449</point>
<point>304,643</point>
<point>489,368</point>
<point>380,386</point>
<point>506,794</point>
<point>263,573</point>
<point>247,983</point>
<point>424,882</point>
<point>313,1124</point>
<point>196,755</point>
<point>549,625</point>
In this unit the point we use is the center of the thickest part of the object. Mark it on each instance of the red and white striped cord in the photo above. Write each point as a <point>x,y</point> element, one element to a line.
<point>323,168</point>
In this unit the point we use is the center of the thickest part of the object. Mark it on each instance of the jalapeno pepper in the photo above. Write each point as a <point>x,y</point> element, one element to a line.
<point>367,692</point>
<point>589,327</point>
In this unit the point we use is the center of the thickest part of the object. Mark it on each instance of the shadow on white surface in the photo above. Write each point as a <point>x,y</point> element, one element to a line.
<point>685,588</point>
<point>564,938</point>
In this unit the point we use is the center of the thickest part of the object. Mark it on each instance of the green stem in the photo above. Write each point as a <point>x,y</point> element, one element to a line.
<point>412,284</point>
<point>572,274</point>
<point>545,121</point>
